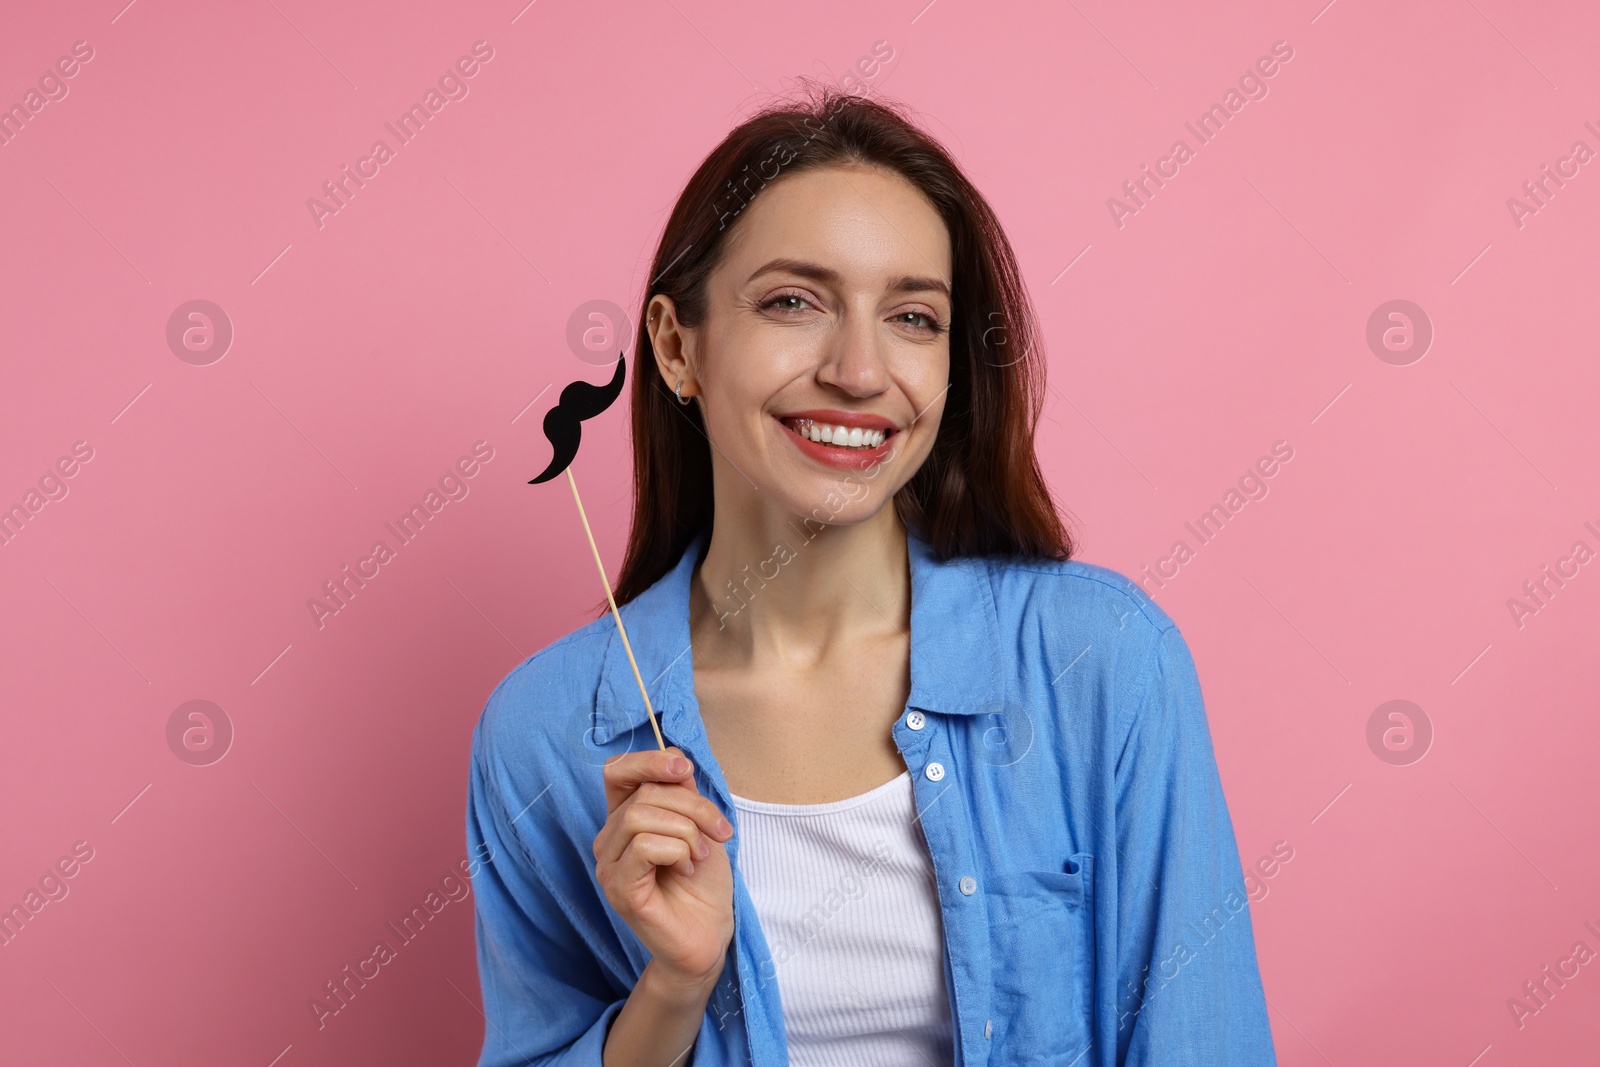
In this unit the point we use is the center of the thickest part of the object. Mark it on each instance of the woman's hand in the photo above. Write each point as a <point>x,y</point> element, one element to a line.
<point>662,864</point>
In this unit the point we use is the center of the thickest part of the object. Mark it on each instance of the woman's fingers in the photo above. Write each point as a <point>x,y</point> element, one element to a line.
<point>656,821</point>
<point>647,851</point>
<point>638,817</point>
<point>647,778</point>
<point>625,774</point>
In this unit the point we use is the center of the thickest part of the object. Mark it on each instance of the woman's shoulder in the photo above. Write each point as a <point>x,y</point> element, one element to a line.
<point>548,699</point>
<point>1087,594</point>
<point>1094,619</point>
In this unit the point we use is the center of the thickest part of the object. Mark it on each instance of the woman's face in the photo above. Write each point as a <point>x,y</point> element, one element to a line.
<point>823,361</point>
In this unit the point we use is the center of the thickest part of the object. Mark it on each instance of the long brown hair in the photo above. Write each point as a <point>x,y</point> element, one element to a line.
<point>980,491</point>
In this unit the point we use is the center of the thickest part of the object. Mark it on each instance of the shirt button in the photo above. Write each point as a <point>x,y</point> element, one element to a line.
<point>969,885</point>
<point>934,771</point>
<point>915,720</point>
<point>988,1027</point>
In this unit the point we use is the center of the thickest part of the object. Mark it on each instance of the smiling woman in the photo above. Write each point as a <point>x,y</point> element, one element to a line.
<point>926,680</point>
<point>909,246</point>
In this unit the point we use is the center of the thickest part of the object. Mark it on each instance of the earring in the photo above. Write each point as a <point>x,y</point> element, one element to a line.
<point>678,392</point>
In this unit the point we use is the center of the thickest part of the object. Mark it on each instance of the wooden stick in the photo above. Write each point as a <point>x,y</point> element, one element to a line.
<point>615,614</point>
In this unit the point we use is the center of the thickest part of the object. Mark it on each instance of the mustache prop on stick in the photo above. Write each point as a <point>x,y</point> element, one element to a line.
<point>563,425</point>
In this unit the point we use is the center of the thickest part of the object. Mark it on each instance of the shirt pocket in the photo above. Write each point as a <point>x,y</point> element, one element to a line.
<point>1041,941</point>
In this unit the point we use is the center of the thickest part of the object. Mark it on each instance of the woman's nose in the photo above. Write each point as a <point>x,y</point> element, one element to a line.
<point>854,360</point>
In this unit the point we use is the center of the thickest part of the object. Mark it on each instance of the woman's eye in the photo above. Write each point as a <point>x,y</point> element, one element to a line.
<point>779,299</point>
<point>927,322</point>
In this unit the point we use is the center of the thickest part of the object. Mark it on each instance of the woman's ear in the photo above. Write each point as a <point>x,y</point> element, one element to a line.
<point>673,344</point>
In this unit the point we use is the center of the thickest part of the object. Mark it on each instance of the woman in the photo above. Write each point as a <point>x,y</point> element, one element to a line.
<point>935,793</point>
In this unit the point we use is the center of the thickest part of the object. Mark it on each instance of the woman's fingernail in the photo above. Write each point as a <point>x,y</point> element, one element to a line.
<point>702,849</point>
<point>724,826</point>
<point>679,765</point>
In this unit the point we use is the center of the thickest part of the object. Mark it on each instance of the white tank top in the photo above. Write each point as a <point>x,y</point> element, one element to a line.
<point>845,895</point>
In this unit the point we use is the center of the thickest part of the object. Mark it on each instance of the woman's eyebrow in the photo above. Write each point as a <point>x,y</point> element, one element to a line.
<point>817,272</point>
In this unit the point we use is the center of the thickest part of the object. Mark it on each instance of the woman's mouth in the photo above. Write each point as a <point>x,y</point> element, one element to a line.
<point>838,436</point>
<point>839,445</point>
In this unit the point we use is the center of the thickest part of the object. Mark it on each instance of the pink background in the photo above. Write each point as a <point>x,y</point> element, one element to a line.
<point>1229,313</point>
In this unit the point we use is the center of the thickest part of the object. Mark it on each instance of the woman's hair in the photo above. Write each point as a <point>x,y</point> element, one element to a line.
<point>979,492</point>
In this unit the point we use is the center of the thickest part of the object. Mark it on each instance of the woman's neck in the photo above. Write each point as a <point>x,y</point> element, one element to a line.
<point>774,586</point>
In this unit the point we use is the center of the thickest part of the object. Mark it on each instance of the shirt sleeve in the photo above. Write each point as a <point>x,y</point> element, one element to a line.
<point>1189,987</point>
<point>546,1000</point>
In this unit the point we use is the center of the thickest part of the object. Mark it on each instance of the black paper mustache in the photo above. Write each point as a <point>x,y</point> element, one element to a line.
<point>563,424</point>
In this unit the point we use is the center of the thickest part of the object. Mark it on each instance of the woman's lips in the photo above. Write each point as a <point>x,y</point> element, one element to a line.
<point>803,431</point>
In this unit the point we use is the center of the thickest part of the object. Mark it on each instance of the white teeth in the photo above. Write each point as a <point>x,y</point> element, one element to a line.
<point>840,436</point>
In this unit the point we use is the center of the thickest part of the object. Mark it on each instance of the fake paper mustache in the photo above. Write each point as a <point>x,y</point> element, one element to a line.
<point>563,424</point>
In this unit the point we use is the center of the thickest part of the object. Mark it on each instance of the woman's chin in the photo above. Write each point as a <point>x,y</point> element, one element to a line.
<point>835,503</point>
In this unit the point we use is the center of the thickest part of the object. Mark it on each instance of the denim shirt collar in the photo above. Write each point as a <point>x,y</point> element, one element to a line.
<point>955,643</point>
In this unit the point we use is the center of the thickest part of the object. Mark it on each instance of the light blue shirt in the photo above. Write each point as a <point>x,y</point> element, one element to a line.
<point>1093,905</point>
